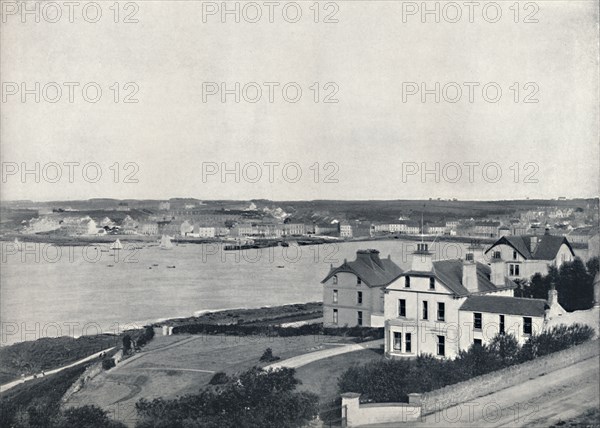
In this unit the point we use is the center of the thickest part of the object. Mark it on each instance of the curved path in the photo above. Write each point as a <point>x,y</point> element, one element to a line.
<point>14,383</point>
<point>304,359</point>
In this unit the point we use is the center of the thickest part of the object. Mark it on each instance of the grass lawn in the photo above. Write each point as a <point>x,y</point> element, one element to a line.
<point>172,366</point>
<point>321,376</point>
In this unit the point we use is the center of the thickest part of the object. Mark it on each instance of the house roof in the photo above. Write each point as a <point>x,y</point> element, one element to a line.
<point>547,246</point>
<point>505,305</point>
<point>488,223</point>
<point>449,273</point>
<point>372,270</point>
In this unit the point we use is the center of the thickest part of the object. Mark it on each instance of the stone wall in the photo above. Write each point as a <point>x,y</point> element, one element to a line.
<point>357,414</point>
<point>501,379</point>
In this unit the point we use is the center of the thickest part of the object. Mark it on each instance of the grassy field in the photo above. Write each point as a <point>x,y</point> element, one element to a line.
<point>321,376</point>
<point>172,366</point>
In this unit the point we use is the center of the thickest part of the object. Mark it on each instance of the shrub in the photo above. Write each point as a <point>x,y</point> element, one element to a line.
<point>393,380</point>
<point>108,363</point>
<point>256,398</point>
<point>558,338</point>
<point>268,356</point>
<point>219,378</point>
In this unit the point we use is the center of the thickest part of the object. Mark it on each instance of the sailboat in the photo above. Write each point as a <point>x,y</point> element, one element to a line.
<point>116,245</point>
<point>165,243</point>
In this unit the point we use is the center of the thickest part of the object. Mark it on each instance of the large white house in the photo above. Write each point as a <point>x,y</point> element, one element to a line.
<point>353,292</point>
<point>526,255</point>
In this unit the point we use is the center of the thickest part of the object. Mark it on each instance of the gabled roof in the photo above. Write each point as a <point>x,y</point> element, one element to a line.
<point>372,270</point>
<point>547,246</point>
<point>505,305</point>
<point>449,273</point>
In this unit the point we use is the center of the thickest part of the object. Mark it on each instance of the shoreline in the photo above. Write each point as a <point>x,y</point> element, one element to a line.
<point>305,240</point>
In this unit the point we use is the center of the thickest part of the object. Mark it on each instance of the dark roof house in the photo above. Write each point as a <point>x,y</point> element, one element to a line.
<point>450,273</point>
<point>534,247</point>
<point>372,270</point>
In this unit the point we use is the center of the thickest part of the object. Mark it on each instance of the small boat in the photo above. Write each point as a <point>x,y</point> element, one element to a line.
<point>280,267</point>
<point>109,265</point>
<point>155,264</point>
<point>165,243</point>
<point>116,245</point>
<point>171,267</point>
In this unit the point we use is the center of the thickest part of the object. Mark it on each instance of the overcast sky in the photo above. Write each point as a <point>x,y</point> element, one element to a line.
<point>372,142</point>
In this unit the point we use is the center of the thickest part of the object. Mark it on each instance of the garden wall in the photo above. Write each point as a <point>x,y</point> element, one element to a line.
<point>495,381</point>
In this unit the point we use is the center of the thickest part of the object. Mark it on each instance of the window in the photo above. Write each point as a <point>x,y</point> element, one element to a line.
<point>527,326</point>
<point>441,313</point>
<point>432,283</point>
<point>501,324</point>
<point>407,343</point>
<point>334,279</point>
<point>477,342</point>
<point>441,346</point>
<point>359,297</point>
<point>477,321</point>
<point>335,296</point>
<point>358,281</point>
<point>397,341</point>
<point>514,255</point>
<point>514,270</point>
<point>497,255</point>
<point>360,318</point>
<point>401,308</point>
<point>407,282</point>
<point>425,310</point>
<point>335,316</point>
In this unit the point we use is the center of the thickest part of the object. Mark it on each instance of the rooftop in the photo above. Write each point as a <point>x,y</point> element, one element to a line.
<point>546,248</point>
<point>372,270</point>
<point>505,305</point>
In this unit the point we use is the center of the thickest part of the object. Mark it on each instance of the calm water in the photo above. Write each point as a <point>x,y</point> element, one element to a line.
<point>77,292</point>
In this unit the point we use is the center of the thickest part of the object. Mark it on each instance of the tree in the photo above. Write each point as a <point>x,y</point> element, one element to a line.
<point>268,356</point>
<point>86,417</point>
<point>126,344</point>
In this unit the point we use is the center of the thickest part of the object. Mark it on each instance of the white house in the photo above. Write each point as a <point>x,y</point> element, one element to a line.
<point>422,307</point>
<point>526,255</point>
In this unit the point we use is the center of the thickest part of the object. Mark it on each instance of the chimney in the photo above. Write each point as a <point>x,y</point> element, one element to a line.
<point>533,243</point>
<point>369,257</point>
<point>477,251</point>
<point>422,260</point>
<point>469,273</point>
<point>554,308</point>
<point>498,270</point>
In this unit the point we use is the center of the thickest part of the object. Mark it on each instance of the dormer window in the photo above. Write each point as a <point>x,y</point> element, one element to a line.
<point>432,283</point>
<point>335,279</point>
<point>358,281</point>
<point>407,282</point>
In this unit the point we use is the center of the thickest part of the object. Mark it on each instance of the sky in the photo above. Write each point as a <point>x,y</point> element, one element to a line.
<point>376,137</point>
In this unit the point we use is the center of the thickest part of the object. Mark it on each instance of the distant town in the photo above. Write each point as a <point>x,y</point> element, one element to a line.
<point>260,220</point>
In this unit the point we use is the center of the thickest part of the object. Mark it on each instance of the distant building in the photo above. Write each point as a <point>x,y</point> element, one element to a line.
<point>345,229</point>
<point>148,228</point>
<point>504,231</point>
<point>353,292</point>
<point>487,229</point>
<point>294,229</point>
<point>164,206</point>
<point>529,254</point>
<point>436,229</point>
<point>123,206</point>
<point>79,226</point>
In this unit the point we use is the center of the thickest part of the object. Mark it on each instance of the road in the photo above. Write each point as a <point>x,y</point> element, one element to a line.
<point>14,383</point>
<point>304,359</point>
<point>538,402</point>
